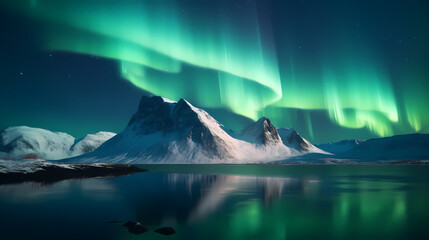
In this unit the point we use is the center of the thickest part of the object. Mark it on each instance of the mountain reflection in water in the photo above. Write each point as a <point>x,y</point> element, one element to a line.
<point>186,198</point>
<point>211,191</point>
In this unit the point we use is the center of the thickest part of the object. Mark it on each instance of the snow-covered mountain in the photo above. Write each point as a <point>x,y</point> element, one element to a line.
<point>26,142</point>
<point>293,140</point>
<point>341,146</point>
<point>164,131</point>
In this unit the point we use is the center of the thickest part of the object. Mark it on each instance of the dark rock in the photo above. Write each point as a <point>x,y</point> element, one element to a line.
<point>165,231</point>
<point>135,227</point>
<point>153,115</point>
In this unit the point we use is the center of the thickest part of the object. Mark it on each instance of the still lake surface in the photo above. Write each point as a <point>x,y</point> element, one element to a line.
<point>226,202</point>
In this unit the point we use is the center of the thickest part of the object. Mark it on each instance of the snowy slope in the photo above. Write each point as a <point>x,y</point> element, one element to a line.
<point>163,131</point>
<point>293,140</point>
<point>21,142</point>
<point>340,147</point>
<point>89,143</point>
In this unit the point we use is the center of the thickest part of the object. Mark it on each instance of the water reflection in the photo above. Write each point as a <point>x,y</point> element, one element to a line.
<point>214,190</point>
<point>160,199</point>
<point>189,200</point>
<point>215,206</point>
<point>277,207</point>
<point>100,189</point>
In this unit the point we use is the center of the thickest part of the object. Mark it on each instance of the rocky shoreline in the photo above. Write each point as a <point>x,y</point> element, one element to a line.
<point>49,172</point>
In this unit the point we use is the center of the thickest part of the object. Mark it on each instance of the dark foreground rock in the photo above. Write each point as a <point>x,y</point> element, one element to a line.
<point>135,227</point>
<point>165,231</point>
<point>49,172</point>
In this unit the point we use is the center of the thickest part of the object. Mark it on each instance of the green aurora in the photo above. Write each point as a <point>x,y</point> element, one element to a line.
<point>229,59</point>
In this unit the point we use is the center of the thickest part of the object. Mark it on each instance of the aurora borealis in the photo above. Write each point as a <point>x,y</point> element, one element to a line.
<point>331,70</point>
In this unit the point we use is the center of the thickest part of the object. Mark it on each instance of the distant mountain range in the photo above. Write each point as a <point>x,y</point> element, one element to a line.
<point>400,147</point>
<point>164,131</point>
<point>341,146</point>
<point>26,142</point>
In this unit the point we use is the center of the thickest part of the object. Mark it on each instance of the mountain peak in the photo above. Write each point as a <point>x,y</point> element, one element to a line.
<point>292,139</point>
<point>183,108</point>
<point>264,120</point>
<point>148,103</point>
<point>261,132</point>
<point>152,114</point>
<point>160,114</point>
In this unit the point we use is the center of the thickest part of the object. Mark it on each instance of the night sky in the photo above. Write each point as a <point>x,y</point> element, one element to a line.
<point>332,70</point>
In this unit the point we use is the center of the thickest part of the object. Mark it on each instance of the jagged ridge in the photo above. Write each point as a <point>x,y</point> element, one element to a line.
<point>164,131</point>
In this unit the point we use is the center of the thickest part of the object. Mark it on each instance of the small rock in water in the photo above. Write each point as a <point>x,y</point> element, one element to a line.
<point>165,231</point>
<point>135,227</point>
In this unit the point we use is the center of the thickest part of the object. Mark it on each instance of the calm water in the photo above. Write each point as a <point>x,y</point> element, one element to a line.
<point>226,202</point>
